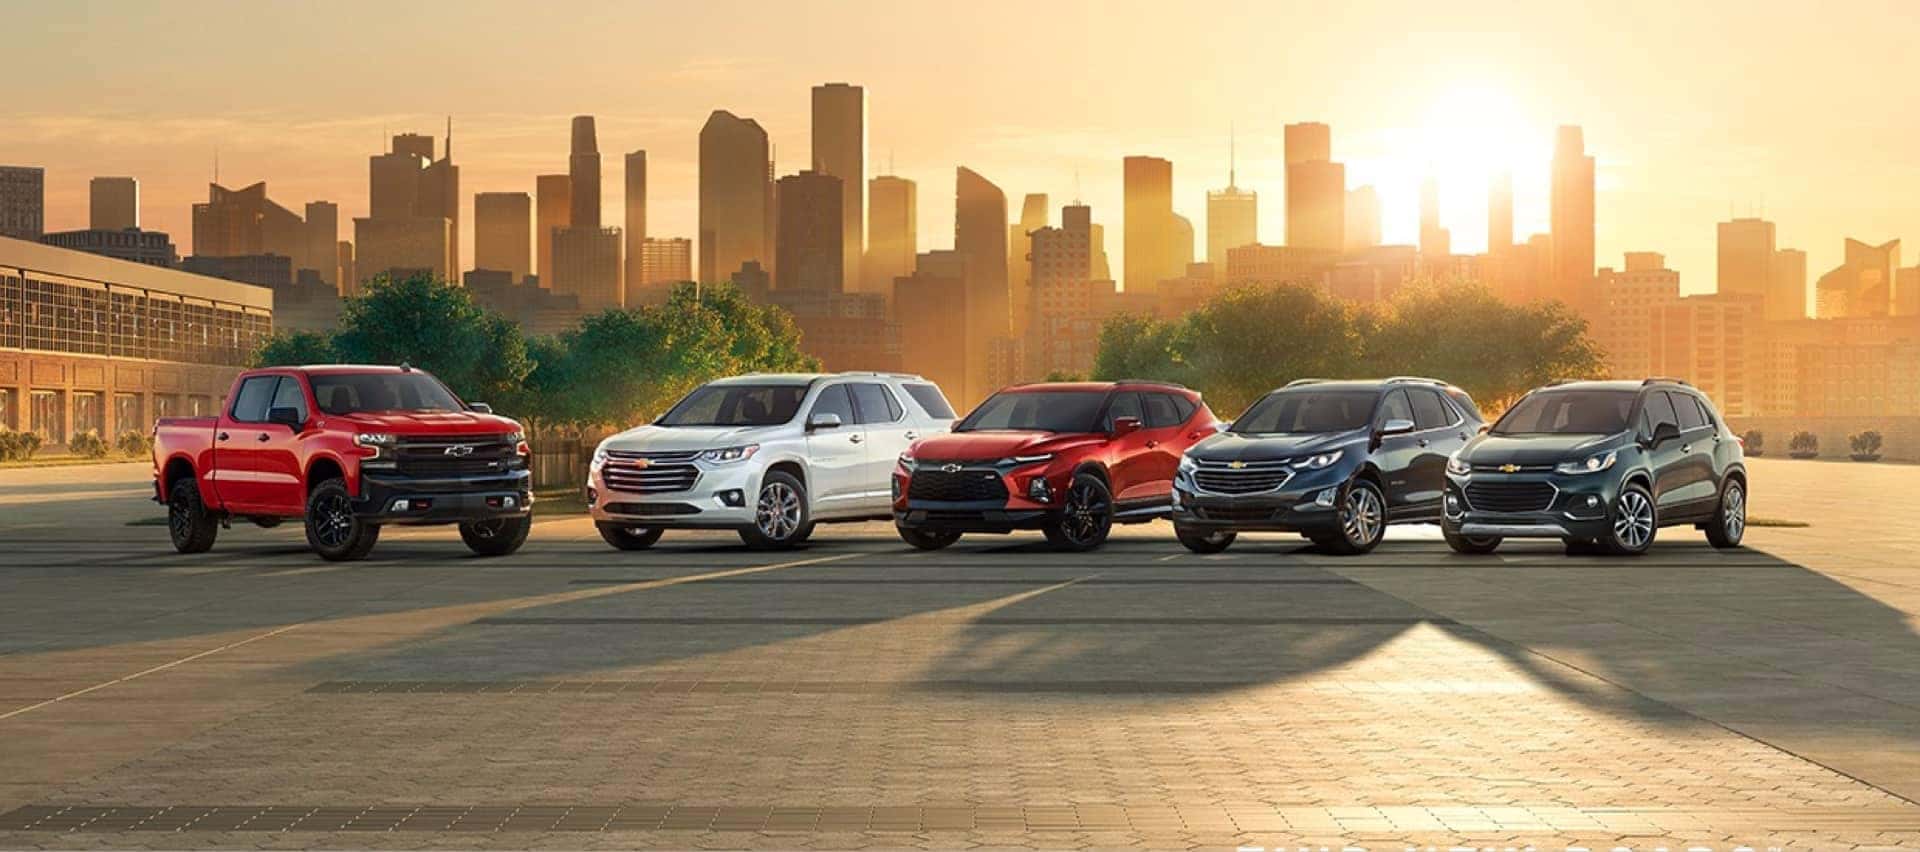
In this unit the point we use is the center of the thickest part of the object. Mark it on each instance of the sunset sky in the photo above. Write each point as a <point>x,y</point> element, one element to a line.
<point>1694,109</point>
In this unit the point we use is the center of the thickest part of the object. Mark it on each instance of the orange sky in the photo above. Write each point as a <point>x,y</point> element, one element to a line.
<point>1694,109</point>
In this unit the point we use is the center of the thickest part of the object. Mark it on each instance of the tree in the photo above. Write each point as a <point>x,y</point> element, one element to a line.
<point>288,349</point>
<point>1464,334</point>
<point>436,326</point>
<point>1139,347</point>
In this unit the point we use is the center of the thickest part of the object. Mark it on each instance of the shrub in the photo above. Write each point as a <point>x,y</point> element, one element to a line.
<point>1755,440</point>
<point>88,444</point>
<point>135,444</point>
<point>1866,443</point>
<point>9,444</point>
<point>22,445</point>
<point>1805,443</point>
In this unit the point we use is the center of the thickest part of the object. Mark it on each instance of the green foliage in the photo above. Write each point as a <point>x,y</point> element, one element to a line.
<point>1063,376</point>
<point>290,349</point>
<point>1804,442</point>
<point>1464,334</point>
<point>436,326</point>
<point>134,444</point>
<point>1866,443</point>
<point>87,444</point>
<point>1755,441</point>
<point>18,446</point>
<point>1139,347</point>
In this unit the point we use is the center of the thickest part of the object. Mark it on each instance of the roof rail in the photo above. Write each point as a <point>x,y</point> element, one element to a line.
<point>886,373</point>
<point>1156,382</point>
<point>1303,382</point>
<point>1666,379</point>
<point>1419,379</point>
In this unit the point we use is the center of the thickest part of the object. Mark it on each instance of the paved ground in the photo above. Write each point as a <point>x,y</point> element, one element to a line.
<point>859,694</point>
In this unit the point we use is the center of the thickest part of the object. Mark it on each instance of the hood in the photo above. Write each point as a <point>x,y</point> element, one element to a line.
<point>1537,449</point>
<point>989,445</point>
<point>651,438</point>
<point>427,422</point>
<point>1230,446</point>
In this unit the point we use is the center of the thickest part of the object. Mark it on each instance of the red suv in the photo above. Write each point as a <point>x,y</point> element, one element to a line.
<point>1069,459</point>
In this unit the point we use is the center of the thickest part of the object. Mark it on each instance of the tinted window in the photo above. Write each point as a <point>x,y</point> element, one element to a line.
<point>1395,407</point>
<point>834,400</point>
<point>1688,411</point>
<point>1307,412</point>
<point>250,404</point>
<point>736,405</point>
<point>875,403</point>
<point>1706,411</point>
<point>1045,411</point>
<point>931,400</point>
<point>1125,405</point>
<point>1465,403</point>
<point>1657,409</point>
<point>1161,412</point>
<point>1428,411</point>
<point>289,395</point>
<point>346,393</point>
<point>1578,412</point>
<point>1183,406</point>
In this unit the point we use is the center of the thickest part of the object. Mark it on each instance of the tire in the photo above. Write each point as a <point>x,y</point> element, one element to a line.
<point>1472,545</point>
<point>1632,523</point>
<point>781,519</point>
<point>1086,516</point>
<point>1729,524</point>
<point>190,526</point>
<point>1363,520</point>
<point>629,538</point>
<point>333,531</point>
<point>1204,542</point>
<point>497,537</point>
<point>927,539</point>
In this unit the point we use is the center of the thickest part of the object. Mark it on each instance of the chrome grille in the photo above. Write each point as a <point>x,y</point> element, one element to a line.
<point>661,473</point>
<point>1518,468</point>
<point>1251,477</point>
<point>1511,496</point>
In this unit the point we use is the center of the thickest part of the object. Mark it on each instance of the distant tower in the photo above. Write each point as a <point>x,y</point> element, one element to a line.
<point>583,166</point>
<point>892,232</point>
<point>1155,236</point>
<point>735,196</point>
<point>840,150</point>
<point>113,204</point>
<point>502,221</point>
<point>1572,222</point>
<point>586,256</point>
<point>1363,218</point>
<point>980,234</point>
<point>1435,243</point>
<point>553,195</point>
<point>636,208</point>
<point>1316,189</point>
<point>808,240</point>
<point>1233,216</point>
<point>1033,217</point>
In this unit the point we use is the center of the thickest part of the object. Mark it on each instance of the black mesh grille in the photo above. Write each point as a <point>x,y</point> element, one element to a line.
<point>651,509</point>
<point>969,484</point>
<point>1510,496</point>
<point>1244,514</point>
<point>455,455</point>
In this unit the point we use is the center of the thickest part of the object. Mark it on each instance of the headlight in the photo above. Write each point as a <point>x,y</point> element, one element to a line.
<point>1017,461</point>
<point>730,454</point>
<point>907,462</point>
<point>1456,464</point>
<point>1592,464</point>
<point>599,457</point>
<point>374,439</point>
<point>1323,460</point>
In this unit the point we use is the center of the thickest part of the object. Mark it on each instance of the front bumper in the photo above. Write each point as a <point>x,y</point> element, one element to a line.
<point>405,500</point>
<point>721,498</point>
<point>1578,509</point>
<point>1305,503</point>
<point>1018,510</point>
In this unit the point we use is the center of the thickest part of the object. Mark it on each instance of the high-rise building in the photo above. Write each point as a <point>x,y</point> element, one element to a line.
<point>1786,297</point>
<point>1436,244</point>
<point>413,221</point>
<point>840,150</point>
<point>808,248</point>
<point>734,195</point>
<point>665,261</point>
<point>1499,213</point>
<point>1264,264</point>
<point>318,251</point>
<point>502,223</point>
<point>1862,286</point>
<point>1233,217</point>
<point>1633,297</point>
<point>892,232</point>
<point>1316,189</point>
<point>980,233</point>
<point>1363,218</point>
<point>113,204</point>
<point>23,202</point>
<point>1745,257</point>
<point>1063,336</point>
<point>1572,221</point>
<point>1033,217</point>
<point>553,197</point>
<point>637,219</point>
<point>153,248</point>
<point>1308,142</point>
<point>931,303</point>
<point>1153,232</point>
<point>1713,342</point>
<point>1906,291</point>
<point>586,257</point>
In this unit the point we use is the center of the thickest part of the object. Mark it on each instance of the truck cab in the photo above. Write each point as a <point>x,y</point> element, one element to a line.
<point>346,450</point>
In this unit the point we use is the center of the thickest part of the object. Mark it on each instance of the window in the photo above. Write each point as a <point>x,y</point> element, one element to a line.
<point>1655,410</point>
<point>1465,404</point>
<point>126,414</point>
<point>166,405</point>
<point>199,405</point>
<point>1041,411</point>
<point>1395,407</point>
<point>1688,411</point>
<point>89,413</point>
<point>9,418</point>
<point>289,395</point>
<point>1124,405</point>
<point>1161,412</point>
<point>250,404</point>
<point>874,403</point>
<point>1568,412</point>
<point>834,400</point>
<point>931,400</point>
<point>736,405</point>
<point>1183,406</point>
<point>348,393</point>
<point>1429,412</point>
<point>49,416</point>
<point>1706,411</point>
<point>1307,412</point>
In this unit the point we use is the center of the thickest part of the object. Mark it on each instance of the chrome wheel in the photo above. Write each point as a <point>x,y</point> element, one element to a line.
<point>1734,512</point>
<point>1086,514</point>
<point>332,520</point>
<point>1361,515</point>
<point>1633,520</point>
<point>777,515</point>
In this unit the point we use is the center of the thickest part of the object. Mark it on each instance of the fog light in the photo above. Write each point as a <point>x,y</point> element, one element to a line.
<point>510,502</point>
<point>399,505</point>
<point>1325,498</point>
<point>733,498</point>
<point>1453,506</point>
<point>1039,491</point>
<point>593,496</point>
<point>1593,502</point>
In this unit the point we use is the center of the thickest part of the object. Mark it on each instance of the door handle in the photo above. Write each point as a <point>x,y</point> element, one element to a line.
<point>912,434</point>
<point>222,436</point>
<point>263,438</point>
<point>855,438</point>
<point>1152,444</point>
<point>1686,448</point>
<point>1423,442</point>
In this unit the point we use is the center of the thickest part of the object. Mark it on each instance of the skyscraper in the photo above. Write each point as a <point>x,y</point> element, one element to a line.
<point>840,150</point>
<point>413,220</point>
<point>1572,221</point>
<point>1436,244</point>
<point>1745,256</point>
<point>637,219</point>
<point>586,257</point>
<point>554,196</point>
<point>980,233</point>
<point>1363,218</point>
<point>1499,213</point>
<point>244,222</point>
<point>1862,286</point>
<point>665,261</point>
<point>931,302</point>
<point>1233,216</point>
<point>23,202</point>
<point>1062,335</point>
<point>892,232</point>
<point>1033,217</point>
<point>319,243</point>
<point>1316,189</point>
<point>1153,232</point>
<point>1787,285</point>
<point>808,245</point>
<point>113,204</point>
<point>734,195</point>
<point>502,223</point>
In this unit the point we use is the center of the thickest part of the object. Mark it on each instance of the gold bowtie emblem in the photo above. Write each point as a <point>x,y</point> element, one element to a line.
<point>1236,465</point>
<point>1509,468</point>
<point>642,463</point>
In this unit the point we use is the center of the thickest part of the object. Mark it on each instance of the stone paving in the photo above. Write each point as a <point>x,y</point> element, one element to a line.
<point>858,694</point>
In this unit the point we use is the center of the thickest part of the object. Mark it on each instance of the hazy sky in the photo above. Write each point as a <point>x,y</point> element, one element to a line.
<point>1694,109</point>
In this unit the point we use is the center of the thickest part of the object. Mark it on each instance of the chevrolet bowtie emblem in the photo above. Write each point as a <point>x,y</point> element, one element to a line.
<point>1236,465</point>
<point>949,468</point>
<point>642,463</point>
<point>1509,468</point>
<point>459,450</point>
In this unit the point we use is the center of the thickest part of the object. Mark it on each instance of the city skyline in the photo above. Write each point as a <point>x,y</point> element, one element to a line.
<point>1668,168</point>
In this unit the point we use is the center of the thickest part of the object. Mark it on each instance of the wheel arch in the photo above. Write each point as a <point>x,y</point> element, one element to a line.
<point>178,467</point>
<point>1095,468</point>
<point>322,468</point>
<point>793,467</point>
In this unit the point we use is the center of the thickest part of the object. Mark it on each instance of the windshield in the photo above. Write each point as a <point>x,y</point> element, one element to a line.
<point>349,393</point>
<point>1584,412</point>
<point>1307,412</point>
<point>736,405</point>
<point>1037,411</point>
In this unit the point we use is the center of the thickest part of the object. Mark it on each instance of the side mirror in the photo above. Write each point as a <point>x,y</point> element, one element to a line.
<point>1663,433</point>
<point>823,420</point>
<point>1123,426</point>
<point>286,416</point>
<point>1396,426</point>
<point>480,407</point>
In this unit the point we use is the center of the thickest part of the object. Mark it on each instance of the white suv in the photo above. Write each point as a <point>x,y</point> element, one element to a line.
<point>767,455</point>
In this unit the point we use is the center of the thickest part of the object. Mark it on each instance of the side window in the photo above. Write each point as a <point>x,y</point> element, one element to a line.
<point>1124,405</point>
<point>289,395</point>
<point>1183,406</point>
<point>834,400</point>
<point>875,403</point>
<point>1394,407</point>
<point>1657,409</point>
<point>931,400</point>
<point>250,404</point>
<point>1688,411</point>
<point>1706,411</point>
<point>1161,412</point>
<point>1465,403</point>
<point>1429,412</point>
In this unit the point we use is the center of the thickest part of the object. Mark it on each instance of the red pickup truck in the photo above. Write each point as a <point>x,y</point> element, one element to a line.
<point>348,449</point>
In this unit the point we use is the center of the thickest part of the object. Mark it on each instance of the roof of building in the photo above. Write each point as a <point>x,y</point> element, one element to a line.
<point>59,263</point>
